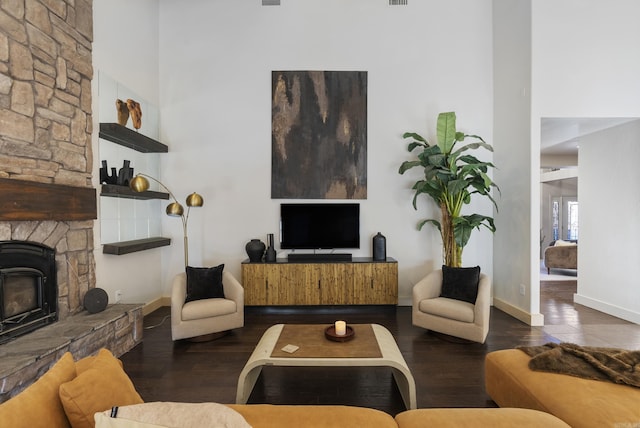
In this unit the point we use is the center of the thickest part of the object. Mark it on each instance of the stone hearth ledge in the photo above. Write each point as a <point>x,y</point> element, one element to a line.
<point>23,360</point>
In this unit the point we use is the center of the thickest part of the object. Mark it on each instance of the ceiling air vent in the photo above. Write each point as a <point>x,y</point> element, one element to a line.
<point>272,2</point>
<point>398,2</point>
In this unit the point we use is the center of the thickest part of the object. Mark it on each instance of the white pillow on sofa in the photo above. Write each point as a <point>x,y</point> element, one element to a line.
<point>561,243</point>
<point>171,415</point>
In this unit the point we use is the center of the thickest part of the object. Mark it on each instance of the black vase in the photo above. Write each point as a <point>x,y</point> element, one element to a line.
<point>270,255</point>
<point>255,250</point>
<point>379,248</point>
<point>125,174</point>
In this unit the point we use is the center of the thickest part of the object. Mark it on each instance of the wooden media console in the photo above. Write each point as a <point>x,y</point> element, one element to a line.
<point>361,281</point>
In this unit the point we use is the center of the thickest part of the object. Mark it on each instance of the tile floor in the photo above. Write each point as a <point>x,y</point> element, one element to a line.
<point>570,322</point>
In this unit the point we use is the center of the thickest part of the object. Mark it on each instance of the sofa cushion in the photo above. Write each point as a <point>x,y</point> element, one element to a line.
<point>561,243</point>
<point>469,418</point>
<point>448,308</point>
<point>277,416</point>
<point>204,283</point>
<point>460,283</point>
<point>579,402</point>
<point>39,405</point>
<point>207,308</point>
<point>84,364</point>
<point>98,388</point>
<point>174,415</point>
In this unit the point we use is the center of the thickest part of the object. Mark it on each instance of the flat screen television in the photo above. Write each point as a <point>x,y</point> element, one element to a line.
<point>319,226</point>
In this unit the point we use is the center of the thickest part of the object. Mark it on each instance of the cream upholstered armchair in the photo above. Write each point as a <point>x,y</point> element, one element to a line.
<point>450,316</point>
<point>206,316</point>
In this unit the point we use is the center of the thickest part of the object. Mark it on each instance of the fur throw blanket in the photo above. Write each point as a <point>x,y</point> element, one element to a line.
<point>608,364</point>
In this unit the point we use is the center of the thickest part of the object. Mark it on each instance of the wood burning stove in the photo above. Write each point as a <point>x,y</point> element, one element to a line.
<point>28,288</point>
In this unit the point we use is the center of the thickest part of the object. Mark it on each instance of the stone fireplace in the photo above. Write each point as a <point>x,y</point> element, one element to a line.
<point>45,129</point>
<point>46,163</point>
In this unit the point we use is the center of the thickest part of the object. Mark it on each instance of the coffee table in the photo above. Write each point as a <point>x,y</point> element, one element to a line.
<point>317,351</point>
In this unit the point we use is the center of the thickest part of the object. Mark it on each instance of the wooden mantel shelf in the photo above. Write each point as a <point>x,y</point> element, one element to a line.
<point>29,200</point>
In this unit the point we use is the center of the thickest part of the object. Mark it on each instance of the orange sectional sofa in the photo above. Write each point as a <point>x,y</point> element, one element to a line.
<point>81,394</point>
<point>581,403</point>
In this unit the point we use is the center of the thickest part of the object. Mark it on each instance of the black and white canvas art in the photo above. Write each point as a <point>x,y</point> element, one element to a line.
<point>319,135</point>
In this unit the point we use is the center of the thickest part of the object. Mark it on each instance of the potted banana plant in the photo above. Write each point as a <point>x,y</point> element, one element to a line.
<point>452,175</point>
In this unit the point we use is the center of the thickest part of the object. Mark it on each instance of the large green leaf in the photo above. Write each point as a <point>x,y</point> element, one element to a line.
<point>464,225</point>
<point>408,165</point>
<point>446,128</point>
<point>436,223</point>
<point>413,145</point>
<point>415,137</point>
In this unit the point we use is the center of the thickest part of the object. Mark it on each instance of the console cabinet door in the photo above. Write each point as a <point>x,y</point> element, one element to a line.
<point>375,284</point>
<point>336,281</point>
<point>254,283</point>
<point>279,284</point>
<point>305,281</point>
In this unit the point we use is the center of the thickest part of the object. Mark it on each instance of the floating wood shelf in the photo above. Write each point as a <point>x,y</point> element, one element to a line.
<point>126,137</point>
<point>126,247</point>
<point>115,191</point>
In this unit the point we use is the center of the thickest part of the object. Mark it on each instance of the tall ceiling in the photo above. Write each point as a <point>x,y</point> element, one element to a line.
<point>561,136</point>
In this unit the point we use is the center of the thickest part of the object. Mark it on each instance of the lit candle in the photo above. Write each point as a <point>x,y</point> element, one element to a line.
<point>341,328</point>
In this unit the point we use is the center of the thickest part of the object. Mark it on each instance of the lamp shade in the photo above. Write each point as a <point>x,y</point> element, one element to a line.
<point>174,209</point>
<point>195,200</point>
<point>139,184</point>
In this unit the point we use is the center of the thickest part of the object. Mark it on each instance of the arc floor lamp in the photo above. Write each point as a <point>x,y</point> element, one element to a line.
<point>140,183</point>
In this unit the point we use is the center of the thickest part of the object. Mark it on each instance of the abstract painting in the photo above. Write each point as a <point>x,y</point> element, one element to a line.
<point>319,135</point>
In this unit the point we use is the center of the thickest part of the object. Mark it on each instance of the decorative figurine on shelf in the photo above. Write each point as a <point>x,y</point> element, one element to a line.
<point>105,178</point>
<point>125,175</point>
<point>123,112</point>
<point>136,113</point>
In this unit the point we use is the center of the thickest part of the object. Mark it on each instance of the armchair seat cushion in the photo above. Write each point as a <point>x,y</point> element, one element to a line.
<point>448,308</point>
<point>207,308</point>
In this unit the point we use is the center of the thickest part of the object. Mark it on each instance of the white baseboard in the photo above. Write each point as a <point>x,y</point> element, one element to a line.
<point>155,304</point>
<point>519,313</point>
<point>607,308</point>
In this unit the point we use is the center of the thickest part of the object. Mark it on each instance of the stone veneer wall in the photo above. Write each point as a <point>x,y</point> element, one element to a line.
<point>45,124</point>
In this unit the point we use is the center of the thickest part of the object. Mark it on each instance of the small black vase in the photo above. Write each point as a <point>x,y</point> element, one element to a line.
<point>270,255</point>
<point>255,250</point>
<point>379,248</point>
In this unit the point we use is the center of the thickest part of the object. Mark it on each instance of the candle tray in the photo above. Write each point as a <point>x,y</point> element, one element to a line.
<point>330,333</point>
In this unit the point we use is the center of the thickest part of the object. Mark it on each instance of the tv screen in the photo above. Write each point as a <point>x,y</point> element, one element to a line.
<point>319,226</point>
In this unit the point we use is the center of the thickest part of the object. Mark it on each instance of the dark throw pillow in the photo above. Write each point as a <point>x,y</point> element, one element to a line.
<point>460,283</point>
<point>204,283</point>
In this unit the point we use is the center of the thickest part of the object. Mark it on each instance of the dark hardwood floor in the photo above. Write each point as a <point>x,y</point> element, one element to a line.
<point>448,373</point>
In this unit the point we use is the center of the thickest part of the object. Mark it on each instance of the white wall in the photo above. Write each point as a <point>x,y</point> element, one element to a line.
<point>608,256</point>
<point>586,63</point>
<point>513,156</point>
<point>216,60</point>
<point>212,62</point>
<point>125,48</point>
